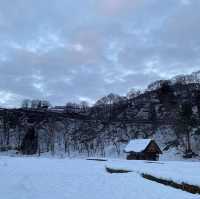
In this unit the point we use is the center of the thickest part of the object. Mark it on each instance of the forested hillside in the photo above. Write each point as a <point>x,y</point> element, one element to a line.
<point>168,111</point>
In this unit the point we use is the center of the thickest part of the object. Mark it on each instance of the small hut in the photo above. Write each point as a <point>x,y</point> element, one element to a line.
<point>142,149</point>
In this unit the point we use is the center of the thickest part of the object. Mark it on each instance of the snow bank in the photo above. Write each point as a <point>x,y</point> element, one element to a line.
<point>177,171</point>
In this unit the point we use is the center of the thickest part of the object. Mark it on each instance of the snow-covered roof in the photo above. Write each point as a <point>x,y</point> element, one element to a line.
<point>137,145</point>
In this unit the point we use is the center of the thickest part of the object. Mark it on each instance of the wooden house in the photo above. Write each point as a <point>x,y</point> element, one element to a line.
<point>142,149</point>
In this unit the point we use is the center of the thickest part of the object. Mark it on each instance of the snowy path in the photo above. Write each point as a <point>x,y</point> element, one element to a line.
<point>41,178</point>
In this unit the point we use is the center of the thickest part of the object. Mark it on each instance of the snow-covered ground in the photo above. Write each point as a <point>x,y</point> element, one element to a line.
<point>178,171</point>
<point>45,178</point>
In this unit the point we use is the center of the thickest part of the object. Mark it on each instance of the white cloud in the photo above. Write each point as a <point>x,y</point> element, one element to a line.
<point>8,99</point>
<point>186,2</point>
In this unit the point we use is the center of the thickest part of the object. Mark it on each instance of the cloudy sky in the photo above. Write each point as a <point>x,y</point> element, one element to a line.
<point>72,50</point>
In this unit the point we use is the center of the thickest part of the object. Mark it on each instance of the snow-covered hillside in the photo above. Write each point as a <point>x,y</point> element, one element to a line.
<point>43,178</point>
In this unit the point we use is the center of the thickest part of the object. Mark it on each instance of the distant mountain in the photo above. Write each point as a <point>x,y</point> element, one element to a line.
<point>168,111</point>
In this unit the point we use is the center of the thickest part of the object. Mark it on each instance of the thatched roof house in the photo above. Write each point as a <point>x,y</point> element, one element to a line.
<point>142,149</point>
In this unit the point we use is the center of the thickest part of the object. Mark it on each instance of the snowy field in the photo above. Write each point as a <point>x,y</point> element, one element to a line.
<point>43,178</point>
<point>178,171</point>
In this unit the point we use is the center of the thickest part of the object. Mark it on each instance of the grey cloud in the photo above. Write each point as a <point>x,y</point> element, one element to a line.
<point>72,50</point>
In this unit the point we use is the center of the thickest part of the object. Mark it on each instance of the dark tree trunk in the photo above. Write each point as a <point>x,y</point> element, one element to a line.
<point>188,142</point>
